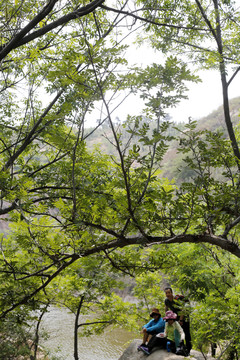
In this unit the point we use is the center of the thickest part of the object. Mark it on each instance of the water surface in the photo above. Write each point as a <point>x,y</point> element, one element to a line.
<point>59,323</point>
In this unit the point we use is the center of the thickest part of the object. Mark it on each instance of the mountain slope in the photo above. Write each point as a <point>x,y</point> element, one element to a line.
<point>102,138</point>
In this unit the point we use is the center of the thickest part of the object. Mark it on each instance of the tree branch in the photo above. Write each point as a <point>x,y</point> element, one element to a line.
<point>31,135</point>
<point>204,15</point>
<point>26,298</point>
<point>123,242</point>
<point>20,39</point>
<point>17,38</point>
<point>137,17</point>
<point>230,226</point>
<point>233,76</point>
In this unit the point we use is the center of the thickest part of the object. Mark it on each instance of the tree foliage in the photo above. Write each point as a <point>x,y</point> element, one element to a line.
<point>66,206</point>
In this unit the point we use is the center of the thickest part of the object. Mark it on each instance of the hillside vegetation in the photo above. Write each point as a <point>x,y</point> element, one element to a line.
<point>172,163</point>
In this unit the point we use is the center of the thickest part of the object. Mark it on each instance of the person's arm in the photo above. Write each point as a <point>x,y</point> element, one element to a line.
<point>154,326</point>
<point>159,326</point>
<point>166,329</point>
<point>180,330</point>
<point>149,324</point>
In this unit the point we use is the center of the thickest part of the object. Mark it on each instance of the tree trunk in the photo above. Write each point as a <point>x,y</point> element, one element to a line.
<point>222,69</point>
<point>227,116</point>
<point>76,329</point>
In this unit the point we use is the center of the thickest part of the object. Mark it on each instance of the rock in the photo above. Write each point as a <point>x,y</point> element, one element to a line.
<point>131,353</point>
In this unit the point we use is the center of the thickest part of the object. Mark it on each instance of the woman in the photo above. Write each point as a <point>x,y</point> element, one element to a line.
<point>153,327</point>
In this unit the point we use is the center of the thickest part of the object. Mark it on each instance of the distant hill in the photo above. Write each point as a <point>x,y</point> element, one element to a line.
<point>214,121</point>
<point>102,138</point>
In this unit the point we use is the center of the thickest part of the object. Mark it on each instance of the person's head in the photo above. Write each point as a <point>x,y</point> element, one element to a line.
<point>155,314</point>
<point>170,317</point>
<point>168,293</point>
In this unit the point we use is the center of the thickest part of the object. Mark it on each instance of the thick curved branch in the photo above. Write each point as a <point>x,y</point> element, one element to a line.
<point>219,241</point>
<point>20,39</point>
<point>121,242</point>
<point>17,38</point>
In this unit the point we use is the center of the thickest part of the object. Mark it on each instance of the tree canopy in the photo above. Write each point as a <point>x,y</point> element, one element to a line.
<point>64,203</point>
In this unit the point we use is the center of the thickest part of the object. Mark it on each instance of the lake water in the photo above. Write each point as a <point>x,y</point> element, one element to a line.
<point>60,326</point>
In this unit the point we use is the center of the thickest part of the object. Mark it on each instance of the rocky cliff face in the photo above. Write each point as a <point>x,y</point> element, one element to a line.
<point>131,353</point>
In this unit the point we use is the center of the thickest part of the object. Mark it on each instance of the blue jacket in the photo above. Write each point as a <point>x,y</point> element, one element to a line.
<point>155,327</point>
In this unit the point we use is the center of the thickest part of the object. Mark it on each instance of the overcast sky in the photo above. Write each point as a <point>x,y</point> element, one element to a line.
<point>204,97</point>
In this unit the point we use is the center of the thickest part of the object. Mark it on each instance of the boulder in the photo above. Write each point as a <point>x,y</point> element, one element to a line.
<point>131,353</point>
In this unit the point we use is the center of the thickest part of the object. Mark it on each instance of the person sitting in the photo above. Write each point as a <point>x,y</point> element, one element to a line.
<point>154,326</point>
<point>173,333</point>
<point>171,338</point>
